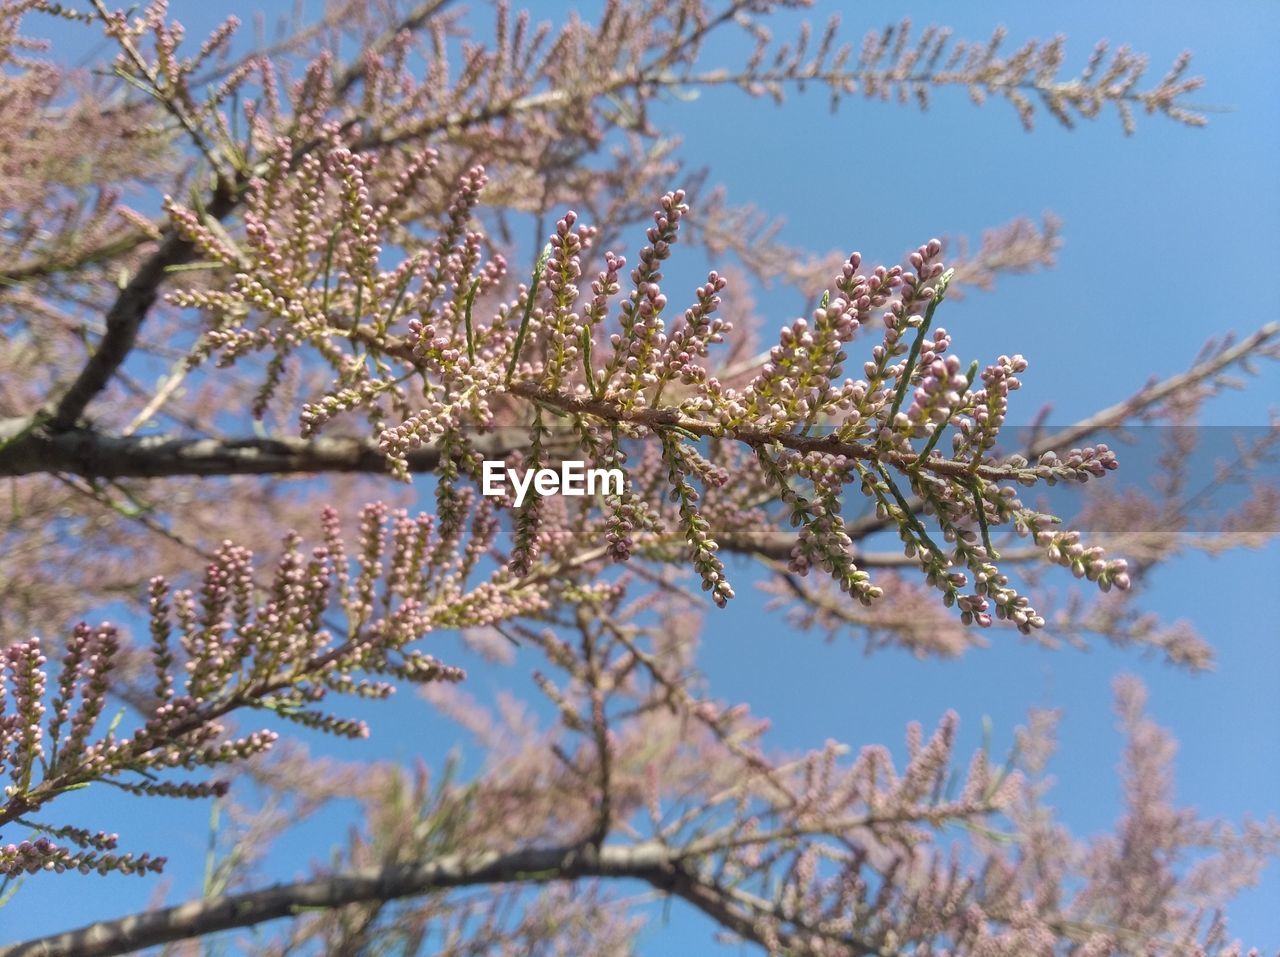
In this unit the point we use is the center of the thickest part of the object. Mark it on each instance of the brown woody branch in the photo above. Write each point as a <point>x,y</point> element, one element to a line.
<point>125,317</point>
<point>1256,344</point>
<point>658,865</point>
<point>90,454</point>
<point>95,455</point>
<point>51,265</point>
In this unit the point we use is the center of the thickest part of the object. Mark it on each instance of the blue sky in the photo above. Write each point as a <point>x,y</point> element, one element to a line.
<point>1165,234</point>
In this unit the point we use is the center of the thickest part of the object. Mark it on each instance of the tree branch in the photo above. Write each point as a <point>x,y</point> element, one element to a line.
<point>1156,392</point>
<point>124,319</point>
<point>650,861</point>
<point>26,451</point>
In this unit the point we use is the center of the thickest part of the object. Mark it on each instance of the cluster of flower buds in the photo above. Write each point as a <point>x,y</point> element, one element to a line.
<point>42,854</point>
<point>1064,548</point>
<point>977,433</point>
<point>702,549</point>
<point>564,328</point>
<point>535,355</point>
<point>235,645</point>
<point>638,348</point>
<point>701,329</point>
<point>940,392</point>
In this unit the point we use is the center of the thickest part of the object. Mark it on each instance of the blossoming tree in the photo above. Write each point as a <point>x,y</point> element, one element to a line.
<point>322,278</point>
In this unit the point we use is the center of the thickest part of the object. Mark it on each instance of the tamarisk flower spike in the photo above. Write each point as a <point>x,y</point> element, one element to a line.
<point>660,383</point>
<point>238,645</point>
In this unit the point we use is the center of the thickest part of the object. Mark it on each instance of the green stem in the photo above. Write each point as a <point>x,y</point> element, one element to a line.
<point>979,507</point>
<point>528,311</point>
<point>939,291</point>
<point>908,515</point>
<point>355,320</point>
<point>586,362</point>
<point>466,316</point>
<point>328,271</point>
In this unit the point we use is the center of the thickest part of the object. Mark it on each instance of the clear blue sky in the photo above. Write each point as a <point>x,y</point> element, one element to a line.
<point>1164,233</point>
